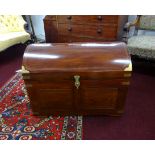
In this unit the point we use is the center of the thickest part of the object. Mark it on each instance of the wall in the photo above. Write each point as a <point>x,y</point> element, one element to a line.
<point>38,25</point>
<point>131,18</point>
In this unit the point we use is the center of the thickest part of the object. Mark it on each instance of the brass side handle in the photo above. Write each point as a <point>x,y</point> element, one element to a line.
<point>77,81</point>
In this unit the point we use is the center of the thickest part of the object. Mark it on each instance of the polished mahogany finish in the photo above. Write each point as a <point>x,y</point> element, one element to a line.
<point>83,28</point>
<point>77,78</point>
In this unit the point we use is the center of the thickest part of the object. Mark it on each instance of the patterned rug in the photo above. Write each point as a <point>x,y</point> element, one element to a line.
<point>18,123</point>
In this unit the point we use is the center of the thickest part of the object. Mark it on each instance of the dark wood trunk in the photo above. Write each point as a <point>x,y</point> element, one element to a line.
<point>77,78</point>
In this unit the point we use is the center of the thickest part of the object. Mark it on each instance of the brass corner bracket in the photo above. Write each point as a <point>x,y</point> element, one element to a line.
<point>129,68</point>
<point>24,71</point>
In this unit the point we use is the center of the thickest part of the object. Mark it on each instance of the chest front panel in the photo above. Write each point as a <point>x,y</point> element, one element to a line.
<point>94,96</point>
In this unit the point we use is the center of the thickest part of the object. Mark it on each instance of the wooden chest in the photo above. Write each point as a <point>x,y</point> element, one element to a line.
<point>83,28</point>
<point>77,78</point>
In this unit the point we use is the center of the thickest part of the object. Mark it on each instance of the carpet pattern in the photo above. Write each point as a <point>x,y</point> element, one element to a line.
<point>17,121</point>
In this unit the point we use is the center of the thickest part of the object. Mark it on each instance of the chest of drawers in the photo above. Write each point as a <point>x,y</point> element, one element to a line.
<point>83,28</point>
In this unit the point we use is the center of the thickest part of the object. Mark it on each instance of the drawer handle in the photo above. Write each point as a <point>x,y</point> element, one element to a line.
<point>99,17</point>
<point>77,81</point>
<point>99,31</point>
<point>69,17</point>
<point>69,29</point>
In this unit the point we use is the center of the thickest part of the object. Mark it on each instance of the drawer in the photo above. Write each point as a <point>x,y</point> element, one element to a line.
<point>88,19</point>
<point>88,30</point>
<point>70,39</point>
